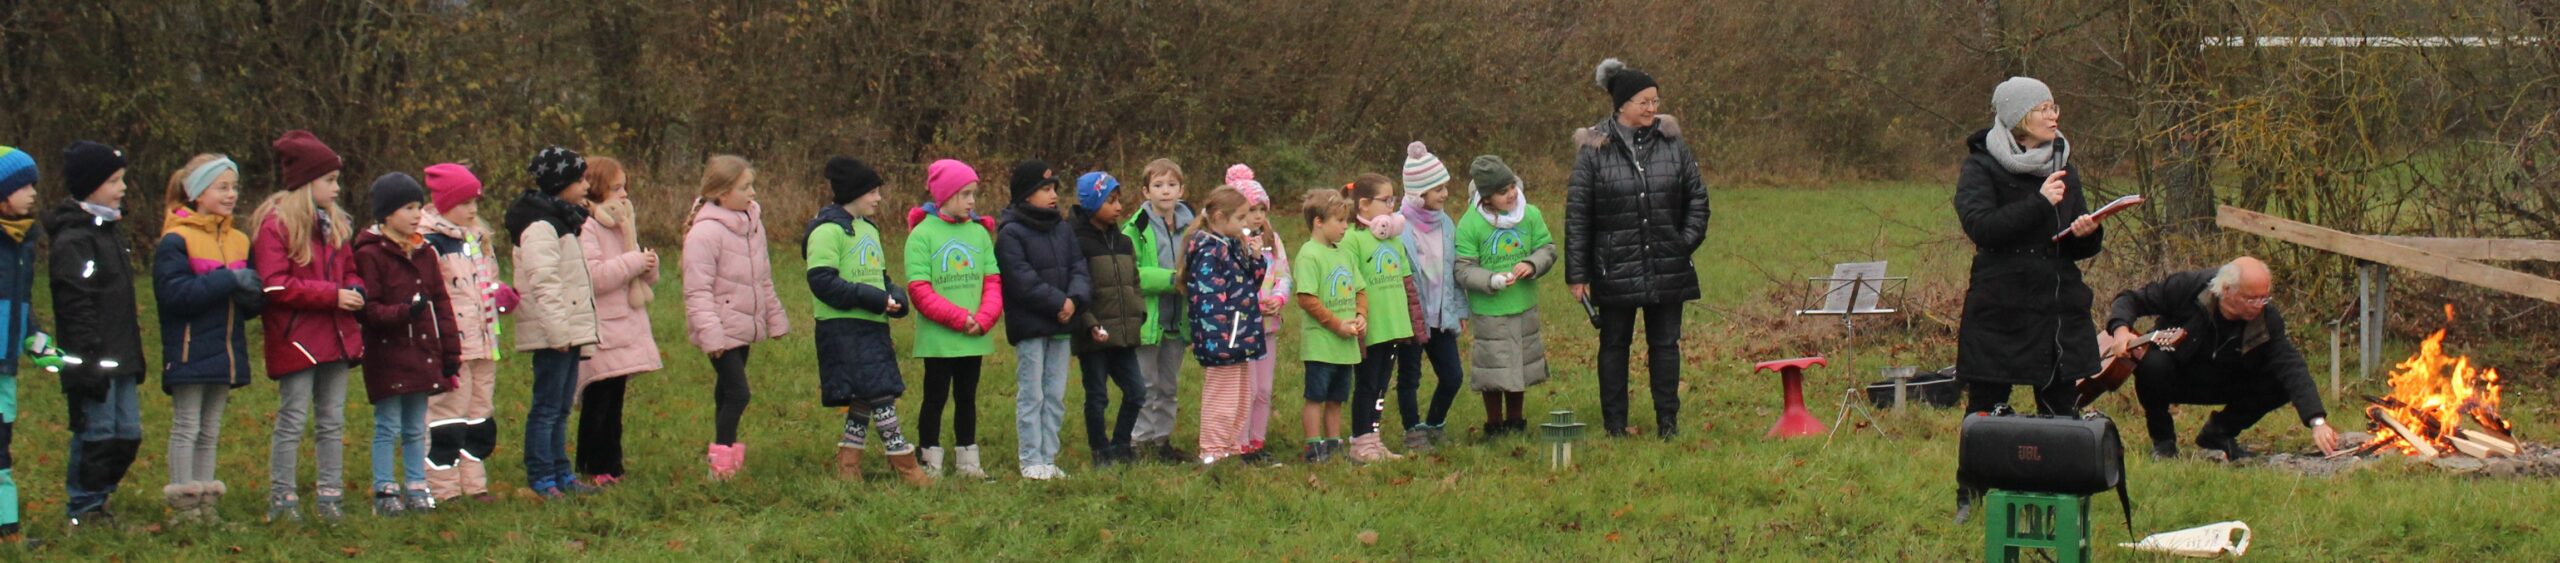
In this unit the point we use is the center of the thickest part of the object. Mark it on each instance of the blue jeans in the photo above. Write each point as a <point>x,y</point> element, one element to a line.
<point>106,432</point>
<point>1039,398</point>
<point>546,427</point>
<point>1442,349</point>
<point>400,437</point>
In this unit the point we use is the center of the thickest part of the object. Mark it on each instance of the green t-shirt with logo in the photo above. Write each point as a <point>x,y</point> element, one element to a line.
<point>1329,274</point>
<point>956,258</point>
<point>1385,265</point>
<point>1498,250</point>
<point>857,256</point>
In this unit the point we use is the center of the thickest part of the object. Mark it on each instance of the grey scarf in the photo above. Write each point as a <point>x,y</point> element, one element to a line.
<point>2039,161</point>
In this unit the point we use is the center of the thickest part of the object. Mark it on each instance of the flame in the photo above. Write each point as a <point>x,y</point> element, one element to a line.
<point>2434,394</point>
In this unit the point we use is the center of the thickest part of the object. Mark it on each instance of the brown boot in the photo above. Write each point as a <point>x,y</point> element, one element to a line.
<point>907,469</point>
<point>849,464</point>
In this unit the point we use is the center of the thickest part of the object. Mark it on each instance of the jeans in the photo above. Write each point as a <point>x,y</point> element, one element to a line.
<point>316,397</point>
<point>1104,369</point>
<point>106,433</point>
<point>400,441</point>
<point>1039,398</point>
<point>1442,348</point>
<point>195,428</point>
<point>546,424</point>
<point>1662,359</point>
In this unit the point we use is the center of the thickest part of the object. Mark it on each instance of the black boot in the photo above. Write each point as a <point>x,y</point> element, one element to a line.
<point>1667,425</point>
<point>2164,448</point>
<point>2213,438</point>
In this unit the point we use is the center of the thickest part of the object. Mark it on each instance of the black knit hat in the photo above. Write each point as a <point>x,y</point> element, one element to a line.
<point>394,191</point>
<point>87,165</point>
<point>1029,176</point>
<point>555,169</point>
<point>1622,83</point>
<point>851,179</point>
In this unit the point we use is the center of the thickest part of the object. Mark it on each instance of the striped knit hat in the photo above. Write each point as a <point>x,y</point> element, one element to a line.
<point>17,170</point>
<point>1422,171</point>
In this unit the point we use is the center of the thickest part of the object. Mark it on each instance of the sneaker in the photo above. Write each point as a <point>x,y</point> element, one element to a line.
<point>94,519</point>
<point>420,499</point>
<point>387,503</point>
<point>1417,439</point>
<point>1033,472</point>
<point>1256,457</point>
<point>606,481</point>
<point>284,508</point>
<point>1165,451</point>
<point>571,485</point>
<point>1314,453</point>
<point>1332,447</point>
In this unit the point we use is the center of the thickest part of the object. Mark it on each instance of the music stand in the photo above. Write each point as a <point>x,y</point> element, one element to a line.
<point>1854,288</point>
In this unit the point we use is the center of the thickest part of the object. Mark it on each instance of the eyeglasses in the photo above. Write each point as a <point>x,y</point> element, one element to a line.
<point>2257,301</point>
<point>2047,107</point>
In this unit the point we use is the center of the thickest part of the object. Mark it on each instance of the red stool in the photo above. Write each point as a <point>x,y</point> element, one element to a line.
<point>1795,422</point>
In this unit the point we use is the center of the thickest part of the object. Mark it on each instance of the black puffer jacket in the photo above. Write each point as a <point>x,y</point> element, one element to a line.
<point>1043,270</point>
<point>2026,314</point>
<point>1118,306</point>
<point>91,272</point>
<point>1634,216</point>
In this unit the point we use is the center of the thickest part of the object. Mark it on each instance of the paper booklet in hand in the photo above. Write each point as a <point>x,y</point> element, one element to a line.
<point>2120,204</point>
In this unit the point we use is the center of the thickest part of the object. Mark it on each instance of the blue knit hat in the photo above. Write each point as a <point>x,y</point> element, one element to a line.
<point>1093,188</point>
<point>17,171</point>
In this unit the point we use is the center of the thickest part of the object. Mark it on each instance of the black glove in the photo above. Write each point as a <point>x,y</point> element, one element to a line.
<point>451,369</point>
<point>417,305</point>
<point>247,278</point>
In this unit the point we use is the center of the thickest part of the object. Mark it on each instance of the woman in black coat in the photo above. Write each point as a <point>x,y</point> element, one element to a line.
<point>1635,210</point>
<point>2026,312</point>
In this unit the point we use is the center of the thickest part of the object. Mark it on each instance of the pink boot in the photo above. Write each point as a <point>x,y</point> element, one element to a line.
<point>737,459</point>
<point>717,456</point>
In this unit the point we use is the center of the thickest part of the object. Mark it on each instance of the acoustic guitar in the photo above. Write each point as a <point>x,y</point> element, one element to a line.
<point>2118,366</point>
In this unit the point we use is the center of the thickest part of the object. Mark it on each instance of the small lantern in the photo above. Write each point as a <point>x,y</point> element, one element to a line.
<point>1559,432</point>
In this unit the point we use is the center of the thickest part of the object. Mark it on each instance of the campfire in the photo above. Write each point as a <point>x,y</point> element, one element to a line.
<point>2440,406</point>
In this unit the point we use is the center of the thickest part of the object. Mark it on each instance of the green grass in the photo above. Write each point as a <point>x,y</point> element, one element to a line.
<point>1718,492</point>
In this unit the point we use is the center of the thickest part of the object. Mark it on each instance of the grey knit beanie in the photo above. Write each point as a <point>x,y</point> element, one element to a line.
<point>2011,100</point>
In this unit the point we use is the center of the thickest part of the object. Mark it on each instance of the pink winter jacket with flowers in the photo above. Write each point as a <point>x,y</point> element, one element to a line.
<point>621,276</point>
<point>728,280</point>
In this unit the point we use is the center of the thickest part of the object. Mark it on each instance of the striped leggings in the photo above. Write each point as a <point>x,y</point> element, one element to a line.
<point>1225,403</point>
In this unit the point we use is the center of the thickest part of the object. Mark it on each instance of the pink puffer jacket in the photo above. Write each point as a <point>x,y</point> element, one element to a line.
<point>621,276</point>
<point>471,278</point>
<point>728,280</point>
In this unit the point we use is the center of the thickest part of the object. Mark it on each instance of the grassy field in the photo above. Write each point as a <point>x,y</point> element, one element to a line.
<point>1718,492</point>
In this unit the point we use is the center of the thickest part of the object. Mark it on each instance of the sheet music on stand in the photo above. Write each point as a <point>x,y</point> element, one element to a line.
<point>1854,288</point>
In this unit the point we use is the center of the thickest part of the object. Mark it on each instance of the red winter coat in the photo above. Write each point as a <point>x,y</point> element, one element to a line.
<point>408,318</point>
<point>303,324</point>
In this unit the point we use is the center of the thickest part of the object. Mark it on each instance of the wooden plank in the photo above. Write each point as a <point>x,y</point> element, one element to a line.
<point>2395,255</point>
<point>2484,249</point>
<point>2425,450</point>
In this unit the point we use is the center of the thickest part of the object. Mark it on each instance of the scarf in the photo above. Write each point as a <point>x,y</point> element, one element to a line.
<point>17,228</point>
<point>612,215</point>
<point>1431,235</point>
<point>1506,219</point>
<point>2039,161</point>
<point>103,212</point>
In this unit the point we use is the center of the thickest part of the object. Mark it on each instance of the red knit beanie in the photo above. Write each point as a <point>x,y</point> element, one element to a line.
<point>303,158</point>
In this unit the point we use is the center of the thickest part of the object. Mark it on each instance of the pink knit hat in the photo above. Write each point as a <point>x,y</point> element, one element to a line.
<point>1241,177</point>
<point>450,185</point>
<point>945,177</point>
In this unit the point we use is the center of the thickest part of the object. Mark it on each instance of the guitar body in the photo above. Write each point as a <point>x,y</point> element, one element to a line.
<point>2117,367</point>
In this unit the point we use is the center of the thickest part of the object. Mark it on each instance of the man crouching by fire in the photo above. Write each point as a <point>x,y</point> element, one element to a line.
<point>2235,353</point>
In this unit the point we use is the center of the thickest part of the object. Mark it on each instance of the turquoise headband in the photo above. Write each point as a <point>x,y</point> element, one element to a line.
<point>204,175</point>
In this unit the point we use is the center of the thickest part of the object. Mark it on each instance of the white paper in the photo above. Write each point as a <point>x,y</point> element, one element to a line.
<point>2210,541</point>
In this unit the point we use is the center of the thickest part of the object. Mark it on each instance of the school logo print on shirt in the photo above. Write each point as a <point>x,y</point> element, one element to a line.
<point>867,254</point>
<point>1340,286</point>
<point>1507,243</point>
<point>1387,261</point>
<point>955,261</point>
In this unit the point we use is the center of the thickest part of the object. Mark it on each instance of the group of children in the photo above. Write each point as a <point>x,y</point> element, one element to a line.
<point>1124,282</point>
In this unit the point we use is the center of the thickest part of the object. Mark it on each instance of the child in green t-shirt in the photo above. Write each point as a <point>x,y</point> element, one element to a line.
<point>857,360</point>
<point>951,273</point>
<point>1503,248</point>
<point>1380,256</point>
<point>1332,293</point>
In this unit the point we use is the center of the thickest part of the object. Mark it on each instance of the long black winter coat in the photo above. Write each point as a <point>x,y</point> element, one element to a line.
<point>1043,270</point>
<point>1633,216</point>
<point>91,271</point>
<point>2026,314</point>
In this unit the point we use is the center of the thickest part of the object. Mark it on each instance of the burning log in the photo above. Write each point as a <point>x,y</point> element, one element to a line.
<point>2407,436</point>
<point>2496,444</point>
<point>2490,423</point>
